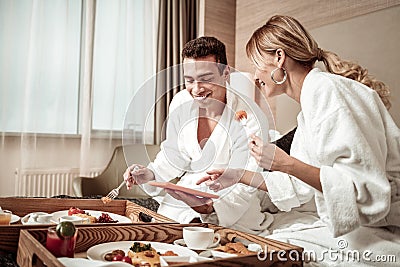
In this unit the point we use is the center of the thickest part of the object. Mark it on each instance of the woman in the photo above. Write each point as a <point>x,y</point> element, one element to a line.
<point>345,152</point>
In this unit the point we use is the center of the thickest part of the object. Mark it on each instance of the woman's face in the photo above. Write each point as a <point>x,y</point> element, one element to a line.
<point>264,81</point>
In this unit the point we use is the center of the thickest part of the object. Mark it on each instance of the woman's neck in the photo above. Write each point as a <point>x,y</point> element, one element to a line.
<point>296,77</point>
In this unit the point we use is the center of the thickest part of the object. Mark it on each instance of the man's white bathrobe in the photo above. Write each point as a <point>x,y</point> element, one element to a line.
<point>346,131</point>
<point>240,207</point>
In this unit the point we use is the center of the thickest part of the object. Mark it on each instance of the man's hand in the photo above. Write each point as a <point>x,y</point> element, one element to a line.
<point>137,174</point>
<point>220,179</point>
<point>200,205</point>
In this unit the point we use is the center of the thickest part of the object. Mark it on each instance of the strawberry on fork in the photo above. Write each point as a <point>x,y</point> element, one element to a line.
<point>241,116</point>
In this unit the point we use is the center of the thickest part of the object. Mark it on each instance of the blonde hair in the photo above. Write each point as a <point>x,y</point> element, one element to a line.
<point>288,34</point>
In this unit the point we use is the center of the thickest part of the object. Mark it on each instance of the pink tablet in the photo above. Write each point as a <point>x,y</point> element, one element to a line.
<point>186,190</point>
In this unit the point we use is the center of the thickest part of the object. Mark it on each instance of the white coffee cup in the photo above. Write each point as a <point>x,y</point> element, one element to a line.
<point>74,219</point>
<point>200,237</point>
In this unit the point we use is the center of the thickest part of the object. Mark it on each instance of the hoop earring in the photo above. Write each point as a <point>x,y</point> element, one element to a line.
<point>284,76</point>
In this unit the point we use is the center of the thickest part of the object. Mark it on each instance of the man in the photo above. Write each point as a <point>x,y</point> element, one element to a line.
<point>202,134</point>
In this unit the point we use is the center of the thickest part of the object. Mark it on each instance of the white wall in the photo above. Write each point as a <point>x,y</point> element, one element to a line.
<point>372,40</point>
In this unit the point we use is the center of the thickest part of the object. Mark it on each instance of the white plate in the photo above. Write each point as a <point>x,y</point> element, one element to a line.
<point>181,242</point>
<point>98,252</point>
<point>79,262</point>
<point>14,218</point>
<point>25,219</point>
<point>170,260</point>
<point>216,254</point>
<point>95,213</point>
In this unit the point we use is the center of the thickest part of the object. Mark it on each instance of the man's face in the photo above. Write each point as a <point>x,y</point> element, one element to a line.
<point>204,81</point>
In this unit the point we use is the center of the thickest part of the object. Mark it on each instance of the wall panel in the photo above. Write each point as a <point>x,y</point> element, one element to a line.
<point>354,29</point>
<point>219,21</point>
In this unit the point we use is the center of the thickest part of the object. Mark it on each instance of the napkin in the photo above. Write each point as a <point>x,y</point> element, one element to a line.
<point>79,262</point>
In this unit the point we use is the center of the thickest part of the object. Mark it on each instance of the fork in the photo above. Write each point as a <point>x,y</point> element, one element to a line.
<point>115,192</point>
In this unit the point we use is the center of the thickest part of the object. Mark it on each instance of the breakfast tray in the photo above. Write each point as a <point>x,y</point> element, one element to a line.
<point>32,251</point>
<point>9,234</point>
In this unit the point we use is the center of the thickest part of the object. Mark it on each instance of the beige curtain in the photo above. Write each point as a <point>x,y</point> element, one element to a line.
<point>54,80</point>
<point>178,24</point>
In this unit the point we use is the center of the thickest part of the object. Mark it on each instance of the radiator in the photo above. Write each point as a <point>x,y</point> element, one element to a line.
<point>47,183</point>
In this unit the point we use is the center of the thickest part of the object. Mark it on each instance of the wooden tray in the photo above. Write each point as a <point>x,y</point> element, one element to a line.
<point>9,234</point>
<point>32,250</point>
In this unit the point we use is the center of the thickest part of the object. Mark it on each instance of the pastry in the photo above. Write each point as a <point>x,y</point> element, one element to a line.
<point>143,255</point>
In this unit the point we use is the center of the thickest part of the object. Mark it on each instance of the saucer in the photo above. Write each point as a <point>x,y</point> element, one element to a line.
<point>28,220</point>
<point>14,218</point>
<point>181,242</point>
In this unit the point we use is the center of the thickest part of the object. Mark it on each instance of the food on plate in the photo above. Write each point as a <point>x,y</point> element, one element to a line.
<point>127,259</point>
<point>91,219</point>
<point>139,255</point>
<point>103,218</point>
<point>106,200</point>
<point>117,255</point>
<point>169,253</point>
<point>143,254</point>
<point>110,256</point>
<point>74,210</point>
<point>241,114</point>
<point>235,248</point>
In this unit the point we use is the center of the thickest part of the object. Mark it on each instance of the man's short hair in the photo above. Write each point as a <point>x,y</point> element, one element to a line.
<point>206,46</point>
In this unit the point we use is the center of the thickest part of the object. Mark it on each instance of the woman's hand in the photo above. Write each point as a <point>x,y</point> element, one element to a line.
<point>201,205</point>
<point>269,156</point>
<point>273,158</point>
<point>220,179</point>
<point>137,174</point>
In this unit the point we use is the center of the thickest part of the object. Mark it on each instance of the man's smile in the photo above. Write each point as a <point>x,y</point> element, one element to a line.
<point>202,96</point>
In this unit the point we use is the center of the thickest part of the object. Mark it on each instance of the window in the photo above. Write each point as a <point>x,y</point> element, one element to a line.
<point>123,59</point>
<point>40,47</point>
<point>39,71</point>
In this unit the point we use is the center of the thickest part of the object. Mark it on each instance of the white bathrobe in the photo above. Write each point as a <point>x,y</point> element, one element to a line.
<point>240,207</point>
<point>345,130</point>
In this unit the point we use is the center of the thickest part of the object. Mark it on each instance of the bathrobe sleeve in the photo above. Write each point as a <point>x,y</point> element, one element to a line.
<point>350,144</point>
<point>285,191</point>
<point>355,188</point>
<point>173,160</point>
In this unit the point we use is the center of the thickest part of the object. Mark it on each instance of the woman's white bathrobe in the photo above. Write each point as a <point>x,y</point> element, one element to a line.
<point>346,131</point>
<point>240,207</point>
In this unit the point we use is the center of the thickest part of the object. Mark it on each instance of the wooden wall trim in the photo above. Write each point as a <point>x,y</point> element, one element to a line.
<point>220,22</point>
